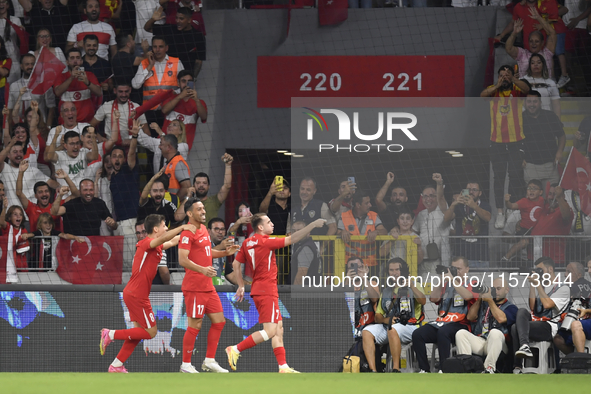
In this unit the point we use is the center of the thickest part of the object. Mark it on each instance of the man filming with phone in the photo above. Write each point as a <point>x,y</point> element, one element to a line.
<point>185,106</point>
<point>365,297</point>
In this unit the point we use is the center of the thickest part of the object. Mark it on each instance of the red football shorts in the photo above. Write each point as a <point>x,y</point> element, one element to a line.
<point>268,308</point>
<point>198,304</point>
<point>140,310</point>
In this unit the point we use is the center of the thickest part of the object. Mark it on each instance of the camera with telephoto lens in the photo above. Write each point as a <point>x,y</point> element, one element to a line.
<point>442,269</point>
<point>403,319</point>
<point>485,289</point>
<point>572,314</point>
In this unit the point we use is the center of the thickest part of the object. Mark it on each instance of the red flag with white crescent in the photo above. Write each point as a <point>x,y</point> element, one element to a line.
<point>96,261</point>
<point>577,177</point>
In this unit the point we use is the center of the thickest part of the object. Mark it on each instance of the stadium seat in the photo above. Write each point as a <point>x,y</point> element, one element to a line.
<point>543,361</point>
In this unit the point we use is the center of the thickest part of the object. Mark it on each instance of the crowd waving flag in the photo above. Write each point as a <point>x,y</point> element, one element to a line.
<point>46,69</point>
<point>96,261</point>
<point>577,177</point>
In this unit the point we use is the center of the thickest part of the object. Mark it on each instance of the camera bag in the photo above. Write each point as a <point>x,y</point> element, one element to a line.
<point>463,363</point>
<point>576,363</point>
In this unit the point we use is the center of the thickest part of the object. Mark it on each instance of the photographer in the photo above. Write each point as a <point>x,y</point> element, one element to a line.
<point>572,338</point>
<point>547,304</point>
<point>400,312</point>
<point>453,303</point>
<point>365,297</point>
<point>492,314</point>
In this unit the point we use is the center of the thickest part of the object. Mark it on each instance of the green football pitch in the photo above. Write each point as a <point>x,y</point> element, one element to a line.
<point>262,383</point>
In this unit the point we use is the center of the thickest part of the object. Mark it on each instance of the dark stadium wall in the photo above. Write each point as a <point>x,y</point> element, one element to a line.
<point>235,38</point>
<point>59,331</point>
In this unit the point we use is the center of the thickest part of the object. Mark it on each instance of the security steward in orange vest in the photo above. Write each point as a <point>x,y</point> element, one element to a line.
<point>177,169</point>
<point>156,73</point>
<point>361,221</point>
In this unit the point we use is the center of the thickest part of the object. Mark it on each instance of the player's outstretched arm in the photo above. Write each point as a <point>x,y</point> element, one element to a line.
<point>188,264</point>
<point>171,243</point>
<point>239,296</point>
<point>299,235</point>
<point>230,250</point>
<point>170,234</point>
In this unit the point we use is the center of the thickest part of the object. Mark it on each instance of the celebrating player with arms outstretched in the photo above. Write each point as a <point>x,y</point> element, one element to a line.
<point>259,250</point>
<point>136,292</point>
<point>195,255</point>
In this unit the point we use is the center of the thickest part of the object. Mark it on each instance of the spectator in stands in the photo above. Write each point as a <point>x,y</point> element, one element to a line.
<point>277,206</point>
<point>224,271</point>
<point>537,45</point>
<point>83,215</point>
<point>93,25</point>
<point>506,136</point>
<point>241,227</point>
<point>8,26</point>
<point>342,203</point>
<point>399,313</point>
<point>125,62</point>
<point>453,303</point>
<point>175,128</point>
<point>12,225</point>
<point>186,43</point>
<point>156,74</point>
<point>305,258</point>
<point>361,221</point>
<point>177,169</point>
<point>186,106</point>
<point>578,247</point>
<point>42,195</point>
<point>577,36</point>
<point>152,201</point>
<point>125,181</point>
<point>73,160</point>
<point>100,67</point>
<point>102,189</point>
<point>201,184</point>
<point>77,86</point>
<point>581,142</point>
<point>430,224</point>
<point>528,208</point>
<point>5,66</point>
<point>28,138</point>
<point>471,216</point>
<point>404,248</point>
<point>309,209</point>
<point>104,148</point>
<point>20,96</point>
<point>195,6</point>
<point>580,330</point>
<point>126,109</point>
<point>555,220</point>
<point>9,173</point>
<point>143,12</point>
<point>69,116</point>
<point>544,141</point>
<point>389,211</point>
<point>52,18</point>
<point>162,274</point>
<point>493,317</point>
<point>45,41</point>
<point>539,81</point>
<point>547,304</point>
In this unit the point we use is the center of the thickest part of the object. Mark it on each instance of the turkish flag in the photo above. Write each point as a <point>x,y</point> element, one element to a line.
<point>97,261</point>
<point>23,37</point>
<point>159,98</point>
<point>3,248</point>
<point>47,68</point>
<point>577,177</point>
<point>331,12</point>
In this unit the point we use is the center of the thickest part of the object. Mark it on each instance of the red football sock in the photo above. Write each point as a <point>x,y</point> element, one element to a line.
<point>136,333</point>
<point>246,344</point>
<point>280,355</point>
<point>213,338</point>
<point>189,343</point>
<point>127,349</point>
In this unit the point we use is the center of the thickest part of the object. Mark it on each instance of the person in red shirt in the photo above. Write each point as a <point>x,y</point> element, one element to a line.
<point>136,292</point>
<point>530,208</point>
<point>259,251</point>
<point>185,106</point>
<point>556,219</point>
<point>77,86</point>
<point>201,298</point>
